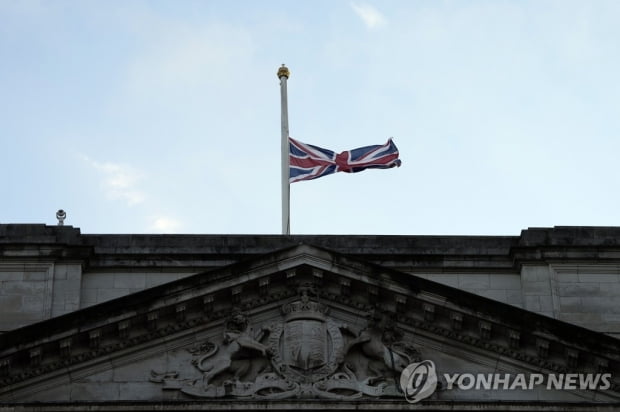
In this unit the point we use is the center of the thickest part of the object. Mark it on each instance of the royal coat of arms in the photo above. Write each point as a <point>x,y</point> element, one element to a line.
<point>308,346</point>
<point>306,355</point>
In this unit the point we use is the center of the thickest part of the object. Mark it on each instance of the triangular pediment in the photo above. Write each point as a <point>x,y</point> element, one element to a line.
<point>303,323</point>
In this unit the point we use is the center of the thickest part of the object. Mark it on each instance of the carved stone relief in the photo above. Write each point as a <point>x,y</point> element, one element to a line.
<point>307,354</point>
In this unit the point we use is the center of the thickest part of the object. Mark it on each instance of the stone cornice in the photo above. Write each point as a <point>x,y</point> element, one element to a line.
<point>199,300</point>
<point>426,254</point>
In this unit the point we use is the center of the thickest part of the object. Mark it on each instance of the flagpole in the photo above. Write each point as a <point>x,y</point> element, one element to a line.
<point>283,75</point>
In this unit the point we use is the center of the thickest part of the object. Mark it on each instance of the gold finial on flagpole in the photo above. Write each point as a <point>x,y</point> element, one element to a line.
<point>283,72</point>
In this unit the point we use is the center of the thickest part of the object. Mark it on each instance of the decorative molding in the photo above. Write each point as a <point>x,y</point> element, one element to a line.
<point>290,277</point>
<point>35,357</point>
<point>345,286</point>
<point>485,329</point>
<point>456,321</point>
<point>123,329</point>
<point>207,302</point>
<point>542,346</point>
<point>263,286</point>
<point>317,275</point>
<point>514,339</point>
<point>572,358</point>
<point>467,328</point>
<point>373,292</point>
<point>401,303</point>
<point>602,365</point>
<point>65,347</point>
<point>236,293</point>
<point>44,267</point>
<point>429,312</point>
<point>94,339</point>
<point>181,312</point>
<point>5,366</point>
<point>151,320</point>
<point>307,354</point>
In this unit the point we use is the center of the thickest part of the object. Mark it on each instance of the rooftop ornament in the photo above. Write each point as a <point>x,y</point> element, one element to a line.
<point>61,215</point>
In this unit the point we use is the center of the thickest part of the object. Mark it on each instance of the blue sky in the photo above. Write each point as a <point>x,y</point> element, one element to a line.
<point>164,116</point>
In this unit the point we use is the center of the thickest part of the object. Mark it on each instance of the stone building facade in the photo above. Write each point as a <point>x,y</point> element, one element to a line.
<point>239,322</point>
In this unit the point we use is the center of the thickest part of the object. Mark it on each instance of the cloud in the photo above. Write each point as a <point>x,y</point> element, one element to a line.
<point>125,183</point>
<point>119,181</point>
<point>164,224</point>
<point>371,17</point>
<point>176,59</point>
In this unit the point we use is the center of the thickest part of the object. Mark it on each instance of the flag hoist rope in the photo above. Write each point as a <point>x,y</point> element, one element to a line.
<point>283,75</point>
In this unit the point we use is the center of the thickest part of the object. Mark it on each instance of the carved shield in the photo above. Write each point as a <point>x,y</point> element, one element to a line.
<point>306,350</point>
<point>305,344</point>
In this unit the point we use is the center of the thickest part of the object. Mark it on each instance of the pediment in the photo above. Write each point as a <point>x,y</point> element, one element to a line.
<point>302,323</point>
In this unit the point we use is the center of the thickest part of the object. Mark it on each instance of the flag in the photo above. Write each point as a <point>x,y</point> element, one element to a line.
<point>308,162</point>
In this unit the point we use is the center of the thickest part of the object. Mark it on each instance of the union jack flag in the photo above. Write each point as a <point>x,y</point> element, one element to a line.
<point>308,162</point>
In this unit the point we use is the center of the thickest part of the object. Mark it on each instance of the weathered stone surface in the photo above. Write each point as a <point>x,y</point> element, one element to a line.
<point>538,288</point>
<point>302,332</point>
<point>495,267</point>
<point>11,304</point>
<point>514,297</point>
<point>579,289</point>
<point>103,295</point>
<point>12,275</point>
<point>474,281</point>
<point>98,281</point>
<point>505,281</point>
<point>599,277</point>
<point>445,279</point>
<point>129,281</point>
<point>94,390</point>
<point>154,313</point>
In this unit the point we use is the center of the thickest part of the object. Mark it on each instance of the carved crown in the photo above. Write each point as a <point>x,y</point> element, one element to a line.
<point>304,308</point>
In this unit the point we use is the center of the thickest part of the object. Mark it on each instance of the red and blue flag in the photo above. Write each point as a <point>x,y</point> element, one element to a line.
<point>308,162</point>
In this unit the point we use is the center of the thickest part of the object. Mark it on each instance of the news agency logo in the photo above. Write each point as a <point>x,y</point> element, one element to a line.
<point>418,381</point>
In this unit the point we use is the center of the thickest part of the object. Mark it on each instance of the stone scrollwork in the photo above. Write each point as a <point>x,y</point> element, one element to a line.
<point>307,354</point>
